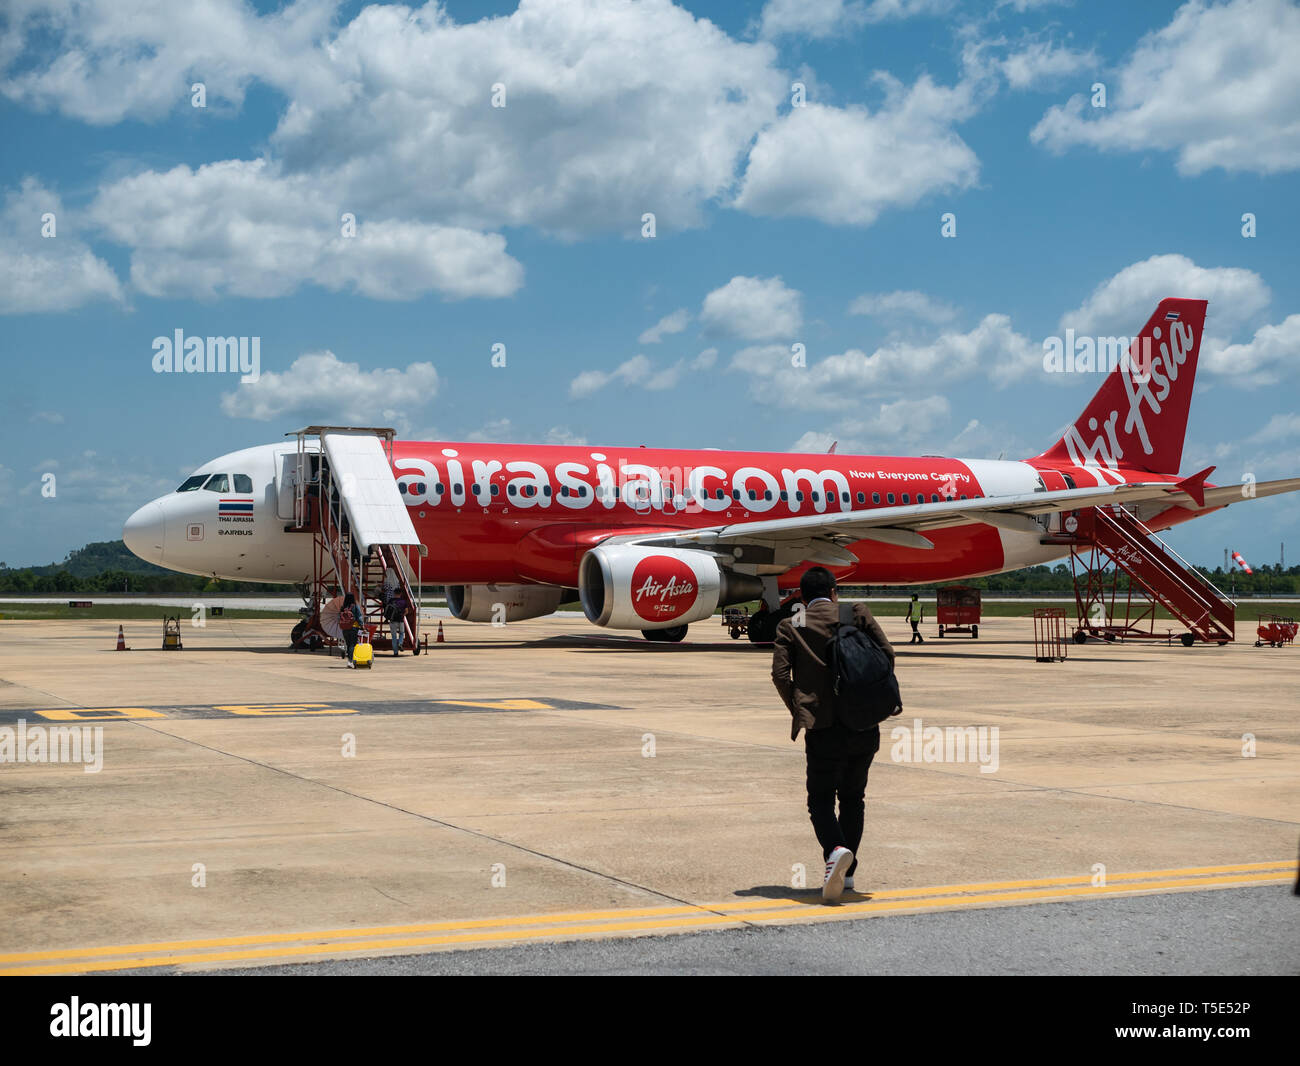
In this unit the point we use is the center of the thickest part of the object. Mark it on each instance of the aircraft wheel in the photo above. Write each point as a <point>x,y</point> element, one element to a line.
<point>654,635</point>
<point>673,634</point>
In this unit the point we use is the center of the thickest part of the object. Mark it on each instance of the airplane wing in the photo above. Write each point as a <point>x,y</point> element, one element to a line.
<point>822,538</point>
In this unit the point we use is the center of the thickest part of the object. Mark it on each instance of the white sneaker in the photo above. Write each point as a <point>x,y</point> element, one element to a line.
<point>833,886</point>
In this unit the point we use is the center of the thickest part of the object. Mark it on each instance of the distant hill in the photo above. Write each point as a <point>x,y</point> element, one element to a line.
<point>107,566</point>
<point>98,558</point>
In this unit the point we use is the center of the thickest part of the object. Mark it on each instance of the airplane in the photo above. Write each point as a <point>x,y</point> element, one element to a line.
<point>655,539</point>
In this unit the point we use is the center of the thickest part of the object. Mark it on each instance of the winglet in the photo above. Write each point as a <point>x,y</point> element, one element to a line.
<point>831,450</point>
<point>1194,486</point>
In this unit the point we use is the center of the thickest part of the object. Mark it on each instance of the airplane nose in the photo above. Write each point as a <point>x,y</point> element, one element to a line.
<point>144,532</point>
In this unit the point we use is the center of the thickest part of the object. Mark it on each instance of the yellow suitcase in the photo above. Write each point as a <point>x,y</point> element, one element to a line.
<point>363,652</point>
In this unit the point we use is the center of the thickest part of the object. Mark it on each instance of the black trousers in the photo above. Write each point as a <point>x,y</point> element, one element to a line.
<point>838,763</point>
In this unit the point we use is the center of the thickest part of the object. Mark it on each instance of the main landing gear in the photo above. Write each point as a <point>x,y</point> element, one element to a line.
<point>671,635</point>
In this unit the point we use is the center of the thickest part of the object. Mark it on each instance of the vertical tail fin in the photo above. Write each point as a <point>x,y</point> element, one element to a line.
<point>1139,416</point>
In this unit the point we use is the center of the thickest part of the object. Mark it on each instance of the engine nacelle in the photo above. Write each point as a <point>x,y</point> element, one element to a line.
<point>626,586</point>
<point>484,603</point>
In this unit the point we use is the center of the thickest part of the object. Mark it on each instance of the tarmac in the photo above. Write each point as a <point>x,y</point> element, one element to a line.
<point>531,785</point>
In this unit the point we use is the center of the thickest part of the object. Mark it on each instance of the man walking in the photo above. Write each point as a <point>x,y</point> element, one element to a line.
<point>838,757</point>
<point>915,614</point>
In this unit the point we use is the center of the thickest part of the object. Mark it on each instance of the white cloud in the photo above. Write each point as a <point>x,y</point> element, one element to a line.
<point>53,417</point>
<point>641,372</point>
<point>670,323</point>
<point>101,61</point>
<point>1283,427</point>
<point>821,18</point>
<point>992,349</point>
<point>39,273</point>
<point>499,429</point>
<point>1274,351</point>
<point>237,228</point>
<point>753,308</point>
<point>321,386</point>
<point>631,372</point>
<point>1218,85</point>
<point>902,303</point>
<point>1042,62</point>
<point>1121,304</point>
<point>563,435</point>
<point>848,165</point>
<point>890,429</point>
<point>613,108</point>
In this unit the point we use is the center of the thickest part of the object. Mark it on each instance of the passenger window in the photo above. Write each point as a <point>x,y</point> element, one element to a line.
<point>243,483</point>
<point>799,496</point>
<point>875,497</point>
<point>862,497</point>
<point>934,497</point>
<point>907,498</point>
<point>785,496</point>
<point>218,483</point>
<point>192,483</point>
<point>890,497</point>
<point>844,496</point>
<point>496,490</point>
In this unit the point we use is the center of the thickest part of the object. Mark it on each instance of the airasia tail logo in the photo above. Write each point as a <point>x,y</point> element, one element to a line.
<point>663,588</point>
<point>1148,382</point>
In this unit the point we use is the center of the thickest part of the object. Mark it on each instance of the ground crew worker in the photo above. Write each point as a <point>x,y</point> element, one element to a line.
<point>915,613</point>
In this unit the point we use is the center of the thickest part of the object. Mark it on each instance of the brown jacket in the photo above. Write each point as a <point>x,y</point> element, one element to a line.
<point>799,670</point>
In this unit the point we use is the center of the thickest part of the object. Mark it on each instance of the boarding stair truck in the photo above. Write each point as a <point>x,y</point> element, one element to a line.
<point>345,496</point>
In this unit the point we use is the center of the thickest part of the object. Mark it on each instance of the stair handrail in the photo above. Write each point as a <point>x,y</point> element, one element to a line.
<point>1165,545</point>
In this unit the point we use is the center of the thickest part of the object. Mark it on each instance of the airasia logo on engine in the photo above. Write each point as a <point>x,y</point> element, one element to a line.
<point>663,587</point>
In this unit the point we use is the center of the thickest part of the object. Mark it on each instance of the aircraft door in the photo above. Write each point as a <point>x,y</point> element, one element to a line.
<point>1054,481</point>
<point>286,479</point>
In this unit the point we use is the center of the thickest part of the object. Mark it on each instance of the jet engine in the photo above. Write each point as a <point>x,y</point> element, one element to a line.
<point>504,603</point>
<point>627,586</point>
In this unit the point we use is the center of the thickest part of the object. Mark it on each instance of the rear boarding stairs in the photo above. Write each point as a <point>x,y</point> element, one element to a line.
<point>1107,541</point>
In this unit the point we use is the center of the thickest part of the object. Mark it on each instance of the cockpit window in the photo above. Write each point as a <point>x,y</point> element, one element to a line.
<point>243,483</point>
<point>192,483</point>
<point>218,483</point>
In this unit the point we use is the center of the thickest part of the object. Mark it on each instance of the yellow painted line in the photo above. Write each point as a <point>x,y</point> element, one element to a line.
<point>682,924</point>
<point>336,934</point>
<point>1283,866</point>
<point>564,925</point>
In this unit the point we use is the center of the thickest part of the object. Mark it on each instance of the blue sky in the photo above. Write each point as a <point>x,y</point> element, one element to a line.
<point>775,224</point>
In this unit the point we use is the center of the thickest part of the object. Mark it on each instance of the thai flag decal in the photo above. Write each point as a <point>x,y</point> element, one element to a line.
<point>231,508</point>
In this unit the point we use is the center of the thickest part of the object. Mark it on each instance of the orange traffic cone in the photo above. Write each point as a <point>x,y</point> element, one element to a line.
<point>441,639</point>
<point>121,640</point>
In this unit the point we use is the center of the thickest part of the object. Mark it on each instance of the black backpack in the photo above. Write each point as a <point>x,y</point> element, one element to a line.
<point>863,686</point>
